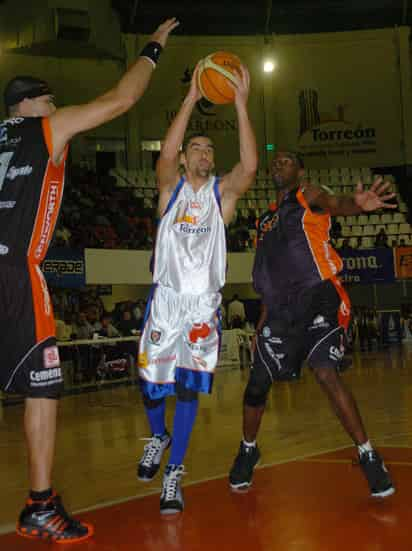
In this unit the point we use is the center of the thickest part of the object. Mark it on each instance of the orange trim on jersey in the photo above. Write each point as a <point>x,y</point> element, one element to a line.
<point>42,305</point>
<point>48,138</point>
<point>47,213</point>
<point>345,305</point>
<point>316,228</point>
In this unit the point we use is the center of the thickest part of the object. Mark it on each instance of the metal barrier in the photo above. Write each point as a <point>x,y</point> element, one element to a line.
<point>94,364</point>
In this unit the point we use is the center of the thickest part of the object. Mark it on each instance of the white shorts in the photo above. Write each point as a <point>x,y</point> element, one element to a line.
<point>179,343</point>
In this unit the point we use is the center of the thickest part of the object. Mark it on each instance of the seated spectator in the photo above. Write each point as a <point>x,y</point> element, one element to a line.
<point>236,314</point>
<point>336,230</point>
<point>402,243</point>
<point>83,329</point>
<point>346,246</point>
<point>128,325</point>
<point>107,328</point>
<point>381,239</point>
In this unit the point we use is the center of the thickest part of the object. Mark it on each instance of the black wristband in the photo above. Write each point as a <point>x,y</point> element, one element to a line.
<point>152,51</point>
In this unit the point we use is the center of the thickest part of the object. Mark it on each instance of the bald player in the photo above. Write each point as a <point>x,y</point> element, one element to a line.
<point>33,150</point>
<point>306,310</point>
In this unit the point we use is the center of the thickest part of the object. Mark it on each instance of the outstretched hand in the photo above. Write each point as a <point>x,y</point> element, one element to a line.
<point>375,197</point>
<point>241,86</point>
<point>162,32</point>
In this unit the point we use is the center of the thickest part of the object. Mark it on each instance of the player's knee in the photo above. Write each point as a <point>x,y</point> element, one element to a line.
<point>256,393</point>
<point>185,394</point>
<point>327,376</point>
<point>151,404</point>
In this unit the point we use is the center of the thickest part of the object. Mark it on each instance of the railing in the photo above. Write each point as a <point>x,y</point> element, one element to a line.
<point>94,364</point>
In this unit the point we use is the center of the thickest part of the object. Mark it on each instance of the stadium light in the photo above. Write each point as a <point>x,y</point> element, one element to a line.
<point>269,66</point>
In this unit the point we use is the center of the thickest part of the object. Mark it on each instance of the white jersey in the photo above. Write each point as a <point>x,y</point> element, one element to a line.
<point>190,251</point>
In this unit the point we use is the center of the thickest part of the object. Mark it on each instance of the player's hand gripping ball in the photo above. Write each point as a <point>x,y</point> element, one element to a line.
<point>214,74</point>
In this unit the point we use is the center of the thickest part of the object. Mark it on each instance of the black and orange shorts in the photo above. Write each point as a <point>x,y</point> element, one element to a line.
<point>309,328</point>
<point>30,364</point>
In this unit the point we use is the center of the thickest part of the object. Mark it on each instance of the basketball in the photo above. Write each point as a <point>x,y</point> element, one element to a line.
<point>214,73</point>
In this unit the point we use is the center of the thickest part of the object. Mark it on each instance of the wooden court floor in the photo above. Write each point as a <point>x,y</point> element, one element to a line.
<point>307,495</point>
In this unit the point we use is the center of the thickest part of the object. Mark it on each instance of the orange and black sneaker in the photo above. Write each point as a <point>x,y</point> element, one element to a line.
<point>48,520</point>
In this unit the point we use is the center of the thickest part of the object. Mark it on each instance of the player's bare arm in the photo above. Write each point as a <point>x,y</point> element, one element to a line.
<point>363,200</point>
<point>69,121</point>
<point>238,181</point>
<point>167,168</point>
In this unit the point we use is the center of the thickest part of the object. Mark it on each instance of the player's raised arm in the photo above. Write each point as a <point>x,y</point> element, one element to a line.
<point>68,121</point>
<point>167,168</point>
<point>363,200</point>
<point>238,181</point>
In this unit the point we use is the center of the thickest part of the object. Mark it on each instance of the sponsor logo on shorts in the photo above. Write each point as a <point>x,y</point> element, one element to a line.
<point>142,360</point>
<point>200,362</point>
<point>164,360</point>
<point>3,134</point>
<point>51,357</point>
<point>335,353</point>
<point>199,331</point>
<point>14,171</point>
<point>275,340</point>
<point>266,332</point>
<point>155,337</point>
<point>46,377</point>
<point>7,204</point>
<point>4,249</point>
<point>14,121</point>
<point>319,323</point>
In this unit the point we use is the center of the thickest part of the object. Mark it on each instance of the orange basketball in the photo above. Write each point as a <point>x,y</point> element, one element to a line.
<point>214,72</point>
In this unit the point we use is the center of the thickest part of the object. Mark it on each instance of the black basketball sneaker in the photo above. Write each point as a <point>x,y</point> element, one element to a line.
<point>240,476</point>
<point>48,520</point>
<point>376,474</point>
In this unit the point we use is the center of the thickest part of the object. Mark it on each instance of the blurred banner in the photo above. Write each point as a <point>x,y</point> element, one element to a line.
<point>403,256</point>
<point>64,268</point>
<point>368,266</point>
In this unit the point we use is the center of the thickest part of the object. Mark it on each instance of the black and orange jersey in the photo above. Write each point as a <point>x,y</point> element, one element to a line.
<point>293,249</point>
<point>31,190</point>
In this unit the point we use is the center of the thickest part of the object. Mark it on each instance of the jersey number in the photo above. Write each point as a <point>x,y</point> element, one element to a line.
<point>5,159</point>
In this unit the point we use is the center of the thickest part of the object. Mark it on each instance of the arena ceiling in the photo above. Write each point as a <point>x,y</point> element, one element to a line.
<point>248,17</point>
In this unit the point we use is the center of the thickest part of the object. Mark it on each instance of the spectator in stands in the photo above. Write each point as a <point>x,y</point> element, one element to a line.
<point>394,244</point>
<point>92,314</point>
<point>336,230</point>
<point>381,239</point>
<point>107,328</point>
<point>236,314</point>
<point>127,324</point>
<point>83,329</point>
<point>346,246</point>
<point>402,243</point>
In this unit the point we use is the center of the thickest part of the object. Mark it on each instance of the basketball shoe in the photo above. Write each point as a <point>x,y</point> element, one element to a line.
<point>171,498</point>
<point>48,520</point>
<point>376,474</point>
<point>240,476</point>
<point>152,456</point>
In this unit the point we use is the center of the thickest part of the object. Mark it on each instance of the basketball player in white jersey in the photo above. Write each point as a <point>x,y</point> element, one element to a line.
<point>180,341</point>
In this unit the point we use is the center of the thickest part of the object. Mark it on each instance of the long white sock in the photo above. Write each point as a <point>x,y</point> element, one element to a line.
<point>249,444</point>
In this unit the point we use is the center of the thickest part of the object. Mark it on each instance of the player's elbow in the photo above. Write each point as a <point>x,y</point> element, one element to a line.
<point>250,170</point>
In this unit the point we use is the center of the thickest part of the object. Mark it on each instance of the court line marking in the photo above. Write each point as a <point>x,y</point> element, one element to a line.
<point>308,458</point>
<point>397,463</point>
<point>5,529</point>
